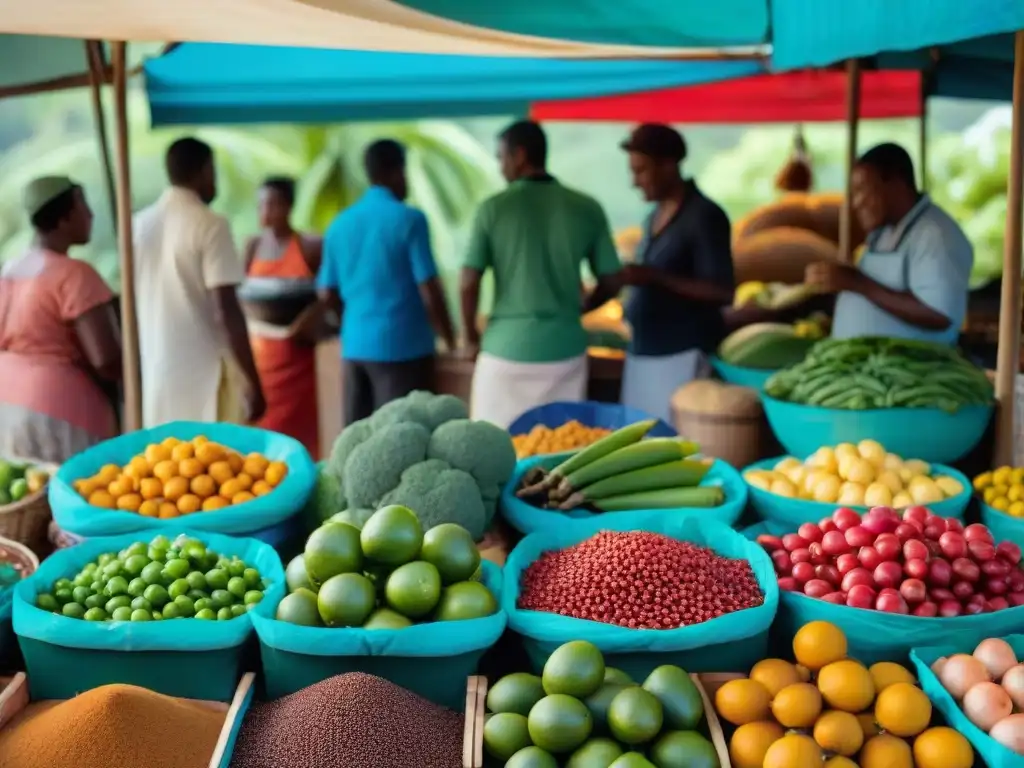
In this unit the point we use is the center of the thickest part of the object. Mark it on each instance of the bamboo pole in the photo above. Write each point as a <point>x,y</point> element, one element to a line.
<point>852,121</point>
<point>129,320</point>
<point>922,133</point>
<point>97,66</point>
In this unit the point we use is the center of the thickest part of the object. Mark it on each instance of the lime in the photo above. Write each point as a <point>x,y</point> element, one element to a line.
<point>19,489</point>
<point>532,757</point>
<point>47,602</point>
<point>95,614</point>
<point>684,749</point>
<point>632,760</point>
<point>679,697</point>
<point>295,574</point>
<point>355,517</point>
<point>346,600</point>
<point>141,614</point>
<point>450,548</point>
<point>599,701</point>
<point>595,753</point>
<point>413,589</point>
<point>158,596</point>
<point>385,618</point>
<point>465,600</point>
<point>252,597</point>
<point>392,536</point>
<point>613,675</point>
<point>559,723</point>
<point>206,614</point>
<point>123,613</point>
<point>225,614</point>
<point>332,549</point>
<point>300,607</point>
<point>575,668</point>
<point>635,716</point>
<point>516,693</point>
<point>505,734</point>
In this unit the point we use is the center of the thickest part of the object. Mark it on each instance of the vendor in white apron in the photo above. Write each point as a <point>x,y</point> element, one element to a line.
<point>681,281</point>
<point>912,280</point>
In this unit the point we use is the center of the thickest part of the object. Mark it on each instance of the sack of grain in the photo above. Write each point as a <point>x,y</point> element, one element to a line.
<point>818,213</point>
<point>780,255</point>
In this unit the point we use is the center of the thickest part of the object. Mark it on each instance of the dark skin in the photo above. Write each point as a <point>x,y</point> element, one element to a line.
<point>515,164</point>
<point>877,202</point>
<point>660,182</point>
<point>98,331</point>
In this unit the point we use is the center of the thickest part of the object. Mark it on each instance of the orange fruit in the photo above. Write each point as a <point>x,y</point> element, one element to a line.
<point>743,701</point>
<point>151,488</point>
<point>774,674</point>
<point>122,486</point>
<point>189,468</point>
<point>839,733</point>
<point>170,442</point>
<point>903,710</point>
<point>276,472</point>
<point>214,503</point>
<point>885,751</point>
<point>200,439</point>
<point>183,451</point>
<point>244,481</point>
<point>794,751</point>
<point>886,673</point>
<point>242,497</point>
<point>261,488</point>
<point>108,473</point>
<point>819,643</point>
<point>189,503</point>
<point>155,453</point>
<point>168,510</point>
<point>175,488</point>
<point>130,502</point>
<point>220,471</point>
<point>84,487</point>
<point>750,743</point>
<point>203,486</point>
<point>149,508</point>
<point>102,498</point>
<point>797,705</point>
<point>208,453</point>
<point>165,470</point>
<point>846,685</point>
<point>942,747</point>
<point>868,724</point>
<point>139,467</point>
<point>236,462</point>
<point>255,465</point>
<point>230,488</point>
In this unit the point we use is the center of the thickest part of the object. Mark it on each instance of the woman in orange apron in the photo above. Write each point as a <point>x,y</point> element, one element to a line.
<point>285,356</point>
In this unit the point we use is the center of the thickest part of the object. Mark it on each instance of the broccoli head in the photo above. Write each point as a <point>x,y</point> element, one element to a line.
<point>479,448</point>
<point>375,466</point>
<point>420,407</point>
<point>354,434</point>
<point>327,498</point>
<point>438,493</point>
<point>490,496</point>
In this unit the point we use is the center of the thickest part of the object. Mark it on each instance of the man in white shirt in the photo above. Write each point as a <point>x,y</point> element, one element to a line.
<point>197,364</point>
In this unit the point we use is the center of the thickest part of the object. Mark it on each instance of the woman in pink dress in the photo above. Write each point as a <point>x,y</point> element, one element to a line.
<point>59,338</point>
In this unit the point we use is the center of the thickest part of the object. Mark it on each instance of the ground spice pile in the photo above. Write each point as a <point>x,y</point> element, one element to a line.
<point>350,721</point>
<point>114,726</point>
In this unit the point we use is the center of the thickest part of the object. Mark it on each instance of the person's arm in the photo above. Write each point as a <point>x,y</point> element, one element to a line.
<point>328,287</point>
<point>249,253</point>
<point>604,263</point>
<point>479,257</point>
<point>424,272</point>
<point>87,305</point>
<point>312,251</point>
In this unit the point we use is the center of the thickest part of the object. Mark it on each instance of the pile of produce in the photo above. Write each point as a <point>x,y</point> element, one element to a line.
<point>917,563</point>
<point>1002,489</point>
<point>18,480</point>
<point>770,346</point>
<point>870,372</point>
<point>862,475</point>
<point>388,575</point>
<point>621,472</point>
<point>422,452</point>
<point>157,580</point>
<point>638,580</point>
<point>349,721</point>
<point>989,686</point>
<point>180,477</point>
<point>774,295</point>
<point>113,726</point>
<point>566,437</point>
<point>829,707</point>
<point>586,714</point>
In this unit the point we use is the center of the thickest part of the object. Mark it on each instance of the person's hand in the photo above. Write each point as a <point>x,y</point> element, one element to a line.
<point>469,350</point>
<point>255,402</point>
<point>829,277</point>
<point>639,274</point>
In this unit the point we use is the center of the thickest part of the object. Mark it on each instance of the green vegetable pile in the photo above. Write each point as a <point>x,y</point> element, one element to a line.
<point>421,452</point>
<point>18,480</point>
<point>159,580</point>
<point>870,372</point>
<point>388,575</point>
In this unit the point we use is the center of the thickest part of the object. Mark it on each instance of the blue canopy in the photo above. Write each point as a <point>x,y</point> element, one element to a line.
<point>214,83</point>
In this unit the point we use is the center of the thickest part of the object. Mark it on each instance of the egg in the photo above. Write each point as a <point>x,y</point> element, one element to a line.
<point>985,704</point>
<point>960,673</point>
<point>996,655</point>
<point>1010,733</point>
<point>1013,684</point>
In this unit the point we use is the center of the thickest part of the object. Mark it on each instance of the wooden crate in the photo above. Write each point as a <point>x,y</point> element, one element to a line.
<point>14,698</point>
<point>709,683</point>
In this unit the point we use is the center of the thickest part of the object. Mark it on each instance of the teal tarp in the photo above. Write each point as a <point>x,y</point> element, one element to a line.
<point>214,83</point>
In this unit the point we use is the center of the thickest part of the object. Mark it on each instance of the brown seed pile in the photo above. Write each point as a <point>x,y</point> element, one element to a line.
<point>350,721</point>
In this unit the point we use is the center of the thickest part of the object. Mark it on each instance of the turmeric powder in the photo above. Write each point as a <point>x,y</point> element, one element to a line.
<point>114,726</point>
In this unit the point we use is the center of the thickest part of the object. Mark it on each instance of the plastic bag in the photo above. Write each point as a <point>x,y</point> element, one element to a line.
<point>443,638</point>
<point>527,518</point>
<point>590,414</point>
<point>173,635</point>
<point>731,642</point>
<point>76,515</point>
<point>993,754</point>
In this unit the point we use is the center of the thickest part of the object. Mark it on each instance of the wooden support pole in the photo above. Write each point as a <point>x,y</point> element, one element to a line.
<point>852,122</point>
<point>922,133</point>
<point>94,58</point>
<point>1008,364</point>
<point>129,319</point>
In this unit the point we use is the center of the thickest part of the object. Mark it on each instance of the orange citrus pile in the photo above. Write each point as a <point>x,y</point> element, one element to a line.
<point>179,477</point>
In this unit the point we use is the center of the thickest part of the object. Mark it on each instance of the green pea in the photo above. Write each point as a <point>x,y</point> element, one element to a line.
<point>161,542</point>
<point>236,586</point>
<point>113,568</point>
<point>236,567</point>
<point>171,611</point>
<point>157,595</point>
<point>137,586</point>
<point>62,584</point>
<point>118,585</point>
<point>89,568</point>
<point>82,580</point>
<point>198,594</point>
<point>238,610</point>
<point>178,587</point>
<point>172,554</point>
<point>141,604</point>
<point>95,601</point>
<point>151,574</point>
<point>141,614</point>
<point>221,598</point>
<point>157,616</point>
<point>225,614</point>
<point>203,604</point>
<point>138,548</point>
<point>47,602</point>
<point>206,614</point>
<point>252,578</point>
<point>196,580</point>
<point>63,595</point>
<point>80,594</point>
<point>184,605</point>
<point>95,614</point>
<point>105,558</point>
<point>124,613</point>
<point>121,601</point>
<point>135,564</point>
<point>73,610</point>
<point>156,555</point>
<point>194,550</point>
<point>252,597</point>
<point>98,586</point>
<point>177,568</point>
<point>217,578</point>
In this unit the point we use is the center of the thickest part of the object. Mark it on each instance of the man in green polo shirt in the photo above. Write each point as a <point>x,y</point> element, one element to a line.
<point>534,236</point>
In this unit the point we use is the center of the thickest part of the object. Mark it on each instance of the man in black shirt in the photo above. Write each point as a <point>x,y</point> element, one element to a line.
<point>682,278</point>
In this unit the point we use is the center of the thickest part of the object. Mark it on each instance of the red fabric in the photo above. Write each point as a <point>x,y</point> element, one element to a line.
<point>791,97</point>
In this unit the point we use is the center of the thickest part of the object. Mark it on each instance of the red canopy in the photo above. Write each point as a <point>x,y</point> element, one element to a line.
<point>791,97</point>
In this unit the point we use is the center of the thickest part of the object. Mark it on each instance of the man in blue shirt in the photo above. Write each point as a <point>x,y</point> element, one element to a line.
<point>912,280</point>
<point>378,271</point>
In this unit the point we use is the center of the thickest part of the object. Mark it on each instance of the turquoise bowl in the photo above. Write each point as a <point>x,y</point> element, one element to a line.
<point>1004,527</point>
<point>738,374</point>
<point>785,515</point>
<point>924,433</point>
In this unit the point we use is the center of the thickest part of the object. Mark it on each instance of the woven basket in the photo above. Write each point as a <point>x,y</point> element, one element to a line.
<point>26,521</point>
<point>739,440</point>
<point>21,557</point>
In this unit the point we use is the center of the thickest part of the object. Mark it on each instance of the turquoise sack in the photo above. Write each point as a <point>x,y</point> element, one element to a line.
<point>526,518</point>
<point>993,754</point>
<point>430,659</point>
<point>732,642</point>
<point>76,515</point>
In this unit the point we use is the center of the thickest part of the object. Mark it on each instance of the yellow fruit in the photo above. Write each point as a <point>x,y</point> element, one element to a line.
<point>774,674</point>
<point>871,450</point>
<point>189,503</point>
<point>236,462</point>
<point>839,762</point>
<point>214,503</point>
<point>244,481</point>
<point>1001,503</point>
<point>220,471</point>
<point>155,453</point>
<point>189,468</point>
<point>168,511</point>
<point>824,458</point>
<point>846,685</point>
<point>851,495</point>
<point>1016,509</point>
<point>878,495</point>
<point>918,467</point>
<point>123,486</point>
<point>923,490</point>
<point>951,486</point>
<point>130,502</point>
<point>209,453</point>
<point>85,488</point>
<point>860,471</point>
<point>151,488</point>
<point>891,480</point>
<point>183,451</point>
<point>782,487</point>
<point>893,462</point>
<point>794,751</point>
<point>826,490</point>
<point>819,643</point>
<point>261,488</point>
<point>886,673</point>
<point>1002,476</point>
<point>103,499</point>
<point>199,440</point>
<point>839,732</point>
<point>742,701</point>
<point>175,488</point>
<point>845,449</point>
<point>803,672</point>
<point>942,748</point>
<point>750,743</point>
<point>755,478</point>
<point>901,500</point>
<point>138,468</point>
<point>149,508</point>
<point>230,488</point>
<point>241,497</point>
<point>982,481</point>
<point>783,464</point>
<point>255,465</point>
<point>797,705</point>
<point>868,724</point>
<point>276,472</point>
<point>203,486</point>
<point>108,473</point>
<point>170,442</point>
<point>165,470</point>
<point>1016,492</point>
<point>903,710</point>
<point>885,751</point>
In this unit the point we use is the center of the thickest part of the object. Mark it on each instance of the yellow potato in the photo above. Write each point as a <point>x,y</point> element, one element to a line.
<point>782,487</point>
<point>893,462</point>
<point>758,480</point>
<point>901,500</point>
<point>923,490</point>
<point>891,479</point>
<point>878,495</point>
<point>787,463</point>
<point>1016,509</point>
<point>989,494</point>
<point>1017,476</point>
<point>1002,476</point>
<point>871,450</point>
<point>851,495</point>
<point>1002,503</point>
<point>953,487</point>
<point>982,481</point>
<point>845,449</point>
<point>918,467</point>
<point>827,489</point>
<point>796,475</point>
<point>860,471</point>
<point>823,458</point>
